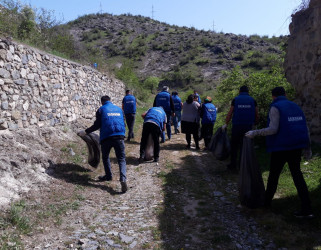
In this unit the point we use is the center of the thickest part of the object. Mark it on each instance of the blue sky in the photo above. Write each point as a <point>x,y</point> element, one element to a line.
<point>246,17</point>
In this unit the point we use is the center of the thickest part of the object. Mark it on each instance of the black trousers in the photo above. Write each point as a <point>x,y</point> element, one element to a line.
<point>130,120</point>
<point>154,130</point>
<point>278,160</point>
<point>238,132</point>
<point>207,132</point>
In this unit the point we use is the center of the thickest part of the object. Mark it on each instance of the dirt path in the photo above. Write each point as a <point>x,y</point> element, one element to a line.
<point>187,201</point>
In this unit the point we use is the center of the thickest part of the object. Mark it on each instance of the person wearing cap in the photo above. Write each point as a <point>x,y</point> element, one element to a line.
<point>164,99</point>
<point>208,115</point>
<point>245,114</point>
<point>129,108</point>
<point>110,121</point>
<point>178,109</point>
<point>286,136</point>
<point>197,96</point>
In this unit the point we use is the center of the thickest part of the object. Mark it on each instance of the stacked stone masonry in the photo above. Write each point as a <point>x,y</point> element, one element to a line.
<point>43,90</point>
<point>303,62</point>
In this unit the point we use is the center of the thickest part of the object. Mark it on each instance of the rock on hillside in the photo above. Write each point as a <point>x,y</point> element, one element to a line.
<point>159,49</point>
<point>27,155</point>
<point>303,61</point>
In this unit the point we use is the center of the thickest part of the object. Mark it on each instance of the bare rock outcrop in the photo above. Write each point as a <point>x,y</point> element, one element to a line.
<point>303,61</point>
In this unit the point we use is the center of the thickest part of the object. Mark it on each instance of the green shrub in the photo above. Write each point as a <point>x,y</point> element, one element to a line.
<point>260,85</point>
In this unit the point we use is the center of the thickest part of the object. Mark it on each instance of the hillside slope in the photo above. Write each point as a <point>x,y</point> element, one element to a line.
<point>181,55</point>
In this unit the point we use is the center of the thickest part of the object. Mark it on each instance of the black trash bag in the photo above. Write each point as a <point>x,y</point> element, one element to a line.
<point>251,186</point>
<point>92,142</point>
<point>220,144</point>
<point>149,150</point>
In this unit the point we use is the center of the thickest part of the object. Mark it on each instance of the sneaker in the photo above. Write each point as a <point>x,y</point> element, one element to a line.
<point>124,187</point>
<point>162,141</point>
<point>104,178</point>
<point>156,160</point>
<point>188,146</point>
<point>140,160</point>
<point>304,215</point>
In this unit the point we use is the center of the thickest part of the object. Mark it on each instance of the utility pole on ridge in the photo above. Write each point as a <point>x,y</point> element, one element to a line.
<point>153,12</point>
<point>101,9</point>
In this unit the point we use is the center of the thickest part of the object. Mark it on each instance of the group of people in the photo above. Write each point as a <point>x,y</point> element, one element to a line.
<point>287,135</point>
<point>287,132</point>
<point>167,109</point>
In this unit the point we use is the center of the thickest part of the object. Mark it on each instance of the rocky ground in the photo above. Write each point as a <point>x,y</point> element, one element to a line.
<point>187,201</point>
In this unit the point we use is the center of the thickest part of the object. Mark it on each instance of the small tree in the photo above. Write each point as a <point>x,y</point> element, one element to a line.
<point>28,23</point>
<point>151,83</point>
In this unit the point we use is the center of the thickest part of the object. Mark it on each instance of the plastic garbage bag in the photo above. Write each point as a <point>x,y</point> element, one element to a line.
<point>251,186</point>
<point>220,144</point>
<point>149,150</point>
<point>92,142</point>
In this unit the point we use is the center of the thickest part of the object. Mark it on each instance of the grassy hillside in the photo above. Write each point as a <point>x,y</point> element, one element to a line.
<point>180,56</point>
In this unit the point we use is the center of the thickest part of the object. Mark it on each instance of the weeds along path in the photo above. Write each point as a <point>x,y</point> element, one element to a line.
<point>186,201</point>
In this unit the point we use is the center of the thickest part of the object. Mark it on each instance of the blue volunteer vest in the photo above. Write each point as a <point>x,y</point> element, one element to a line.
<point>112,121</point>
<point>293,132</point>
<point>198,98</point>
<point>209,113</point>
<point>163,100</point>
<point>129,102</point>
<point>156,115</point>
<point>177,102</point>
<point>244,110</point>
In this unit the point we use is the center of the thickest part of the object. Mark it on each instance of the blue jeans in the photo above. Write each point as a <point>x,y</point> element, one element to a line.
<point>177,120</point>
<point>119,147</point>
<point>168,127</point>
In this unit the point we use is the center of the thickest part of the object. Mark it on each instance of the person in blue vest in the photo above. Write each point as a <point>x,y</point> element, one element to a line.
<point>287,135</point>
<point>178,111</point>
<point>129,108</point>
<point>154,123</point>
<point>110,121</point>
<point>196,95</point>
<point>245,114</point>
<point>208,115</point>
<point>164,99</point>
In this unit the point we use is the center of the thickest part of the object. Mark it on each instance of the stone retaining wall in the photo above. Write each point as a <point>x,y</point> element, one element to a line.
<point>303,62</point>
<point>42,89</point>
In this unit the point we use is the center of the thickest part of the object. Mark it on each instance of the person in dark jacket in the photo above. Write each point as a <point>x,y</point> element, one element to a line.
<point>245,114</point>
<point>164,99</point>
<point>154,124</point>
<point>129,108</point>
<point>178,111</point>
<point>110,121</point>
<point>208,115</point>
<point>287,134</point>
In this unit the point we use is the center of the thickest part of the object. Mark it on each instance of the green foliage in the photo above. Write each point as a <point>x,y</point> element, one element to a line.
<point>129,77</point>
<point>260,85</point>
<point>151,83</point>
<point>27,25</point>
<point>37,27</point>
<point>17,219</point>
